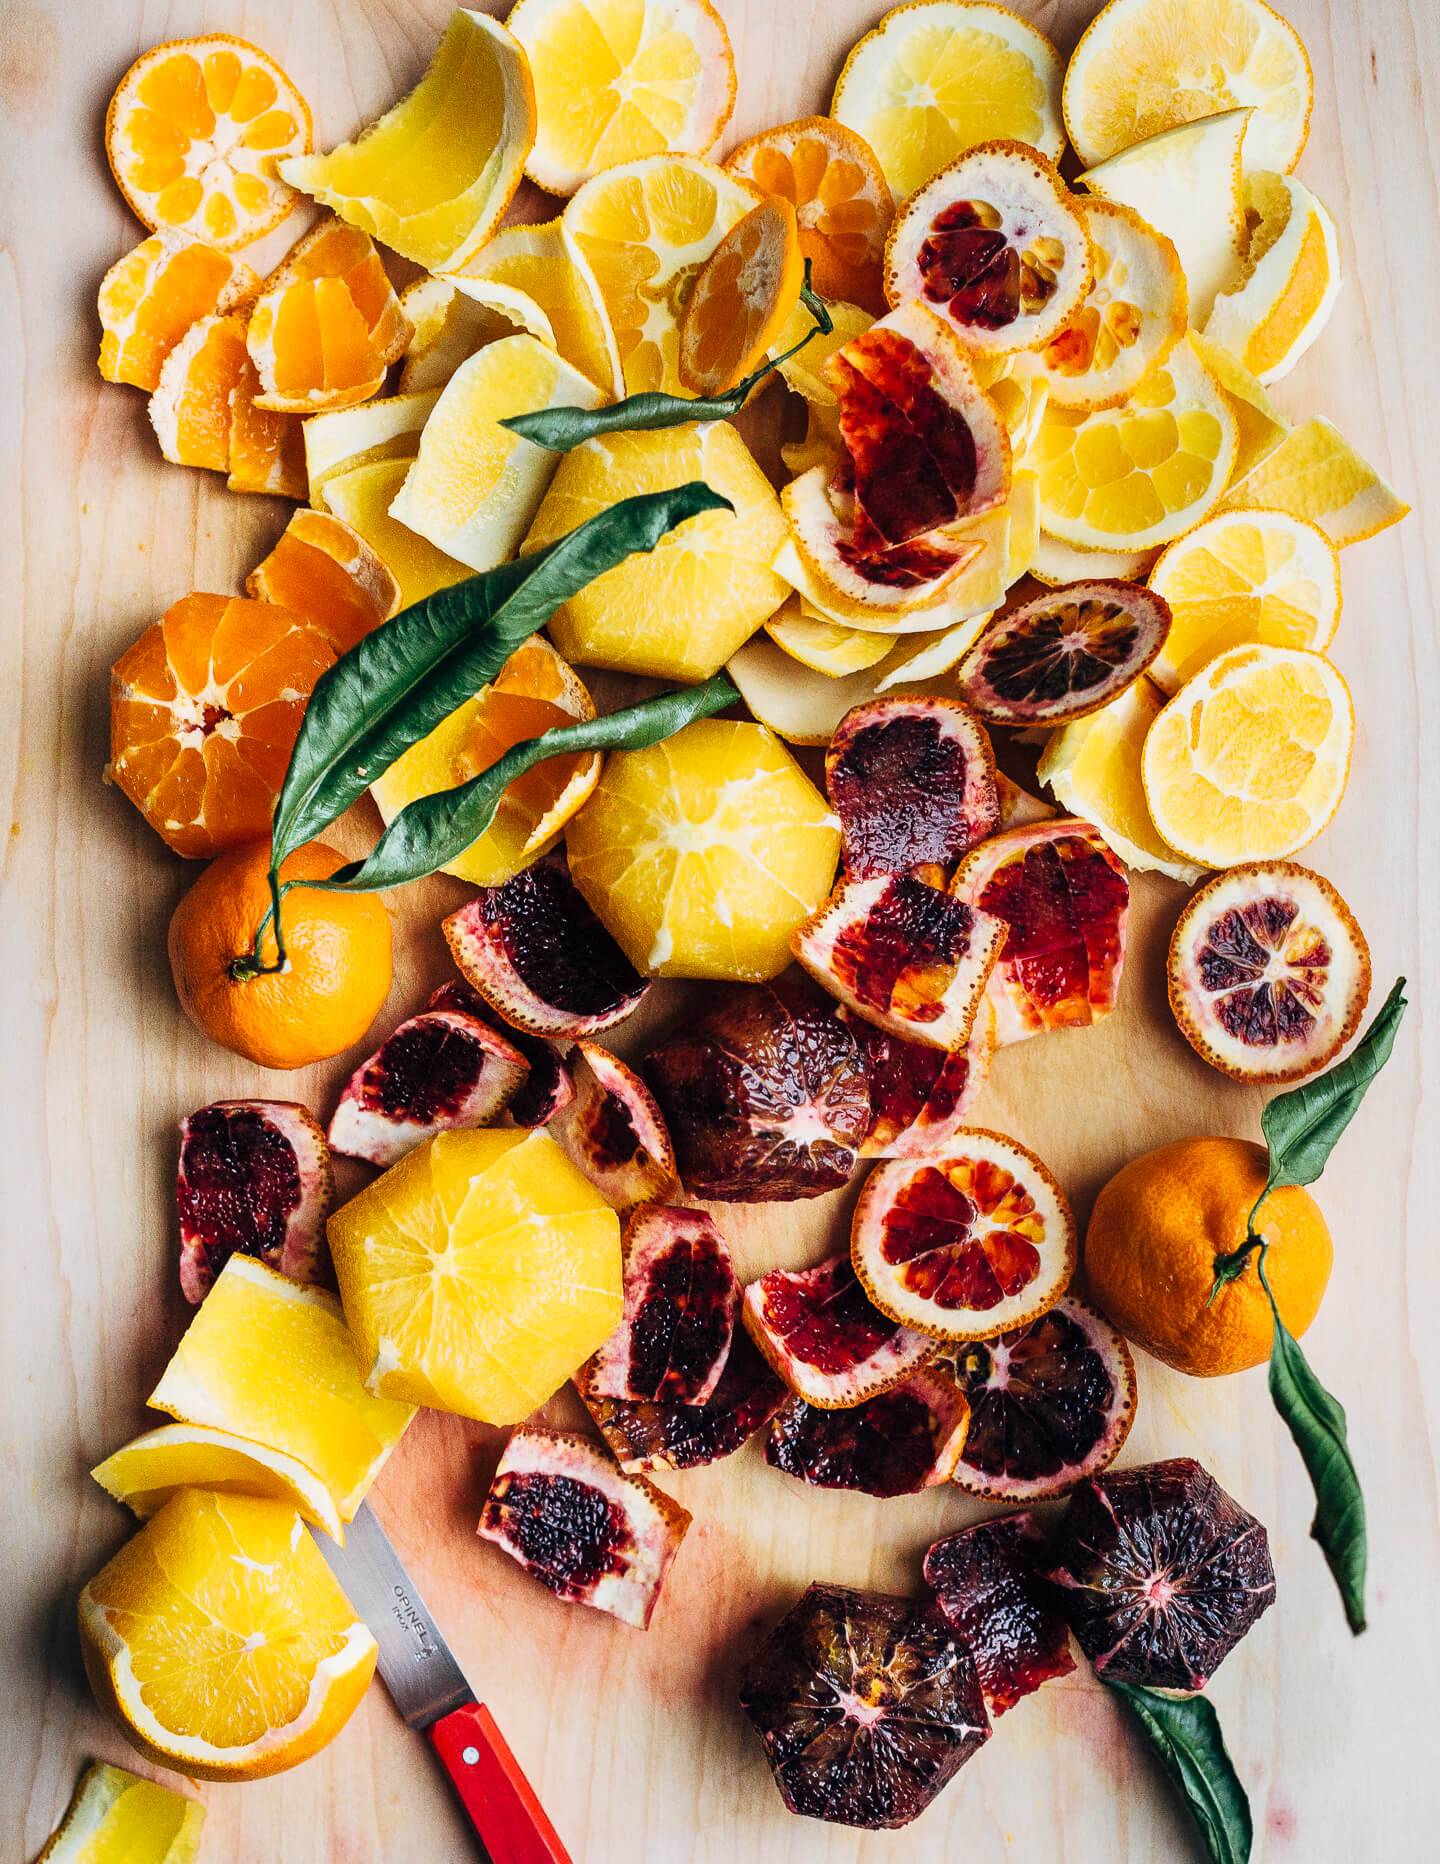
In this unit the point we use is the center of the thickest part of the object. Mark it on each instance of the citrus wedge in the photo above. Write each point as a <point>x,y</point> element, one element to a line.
<point>1315,473</point>
<point>741,299</point>
<point>1291,279</point>
<point>267,450</point>
<point>362,496</point>
<point>827,646</point>
<point>1259,424</point>
<point>807,372</point>
<point>449,325</point>
<point>323,569</point>
<point>118,1818</point>
<point>150,1469</point>
<point>151,297</point>
<point>545,264</point>
<point>191,408</point>
<point>376,430</point>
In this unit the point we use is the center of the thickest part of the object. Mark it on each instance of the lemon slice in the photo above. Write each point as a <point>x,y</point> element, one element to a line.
<point>1315,473</point>
<point>938,76</point>
<point>149,1469</point>
<point>433,176</point>
<point>1128,477</point>
<point>1259,424</point>
<point>376,430</point>
<point>475,486</point>
<point>450,325</point>
<point>1143,66</point>
<point>1244,577</point>
<point>362,496</point>
<point>118,1818</point>
<point>545,265</point>
<point>1055,562</point>
<point>1248,762</point>
<point>1291,282</point>
<point>1186,183</point>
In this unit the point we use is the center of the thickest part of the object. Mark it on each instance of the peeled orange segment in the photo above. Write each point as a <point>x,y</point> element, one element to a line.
<point>1140,474</point>
<point>193,135</point>
<point>702,854</point>
<point>192,406</point>
<point>679,612</point>
<point>1240,578</point>
<point>1186,184</point>
<point>1055,562</point>
<point>376,430</point>
<point>362,496</point>
<point>806,373</point>
<point>151,297</point>
<point>1290,283</point>
<point>937,76</point>
<point>1144,66</point>
<point>270,1360</point>
<point>1259,424</point>
<point>646,228</point>
<point>842,202</point>
<point>995,245</point>
<point>267,450</point>
<point>433,176</point>
<point>533,691</point>
<point>220,1641</point>
<point>545,264</point>
<point>741,299</point>
<point>324,570</point>
<point>1066,654</point>
<point>828,647</point>
<point>475,486</point>
<point>150,1469</point>
<point>1132,316</point>
<point>617,80</point>
<point>478,1273</point>
<point>449,326</point>
<point>1248,762</point>
<point>1315,473</point>
<point>118,1818</point>
<point>965,1245</point>
<point>204,711</point>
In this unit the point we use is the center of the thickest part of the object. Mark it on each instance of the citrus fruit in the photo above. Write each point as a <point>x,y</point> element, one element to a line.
<point>1241,578</point>
<point>1139,474</point>
<point>912,782</point>
<point>828,647</point>
<point>449,325</point>
<point>477,1274</point>
<point>679,611</point>
<point>322,569</point>
<point>1185,183</point>
<point>1056,562</point>
<point>433,176</point>
<point>193,134</point>
<point>337,970</point>
<point>646,227</point>
<point>547,1088</point>
<point>1248,762</point>
<point>191,408</point>
<point>204,710</point>
<point>937,76</point>
<point>973,1242</point>
<point>804,706</point>
<point>150,1469</point>
<point>920,1097</point>
<point>1051,1402</point>
<point>548,267</point>
<point>641,1435</point>
<point>899,1442</point>
<point>1143,66</point>
<point>1154,1236</point>
<point>995,244</point>
<point>703,854</point>
<point>1315,473</point>
<point>1290,282</point>
<point>618,80</point>
<point>741,299</point>
<point>819,1331</point>
<point>1130,319</point>
<point>842,203</point>
<point>118,1818</point>
<point>681,1301</point>
<point>1269,973</point>
<point>1259,424</point>
<point>254,1176</point>
<point>362,496</point>
<point>267,450</point>
<point>388,429</point>
<point>807,372</point>
<point>1093,768</point>
<point>151,297</point>
<point>220,1642</point>
<point>879,587</point>
<point>613,1130</point>
<point>1064,655</point>
<point>985,1582</point>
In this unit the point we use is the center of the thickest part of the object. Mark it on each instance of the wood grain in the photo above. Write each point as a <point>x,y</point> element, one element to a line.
<point>634,1740</point>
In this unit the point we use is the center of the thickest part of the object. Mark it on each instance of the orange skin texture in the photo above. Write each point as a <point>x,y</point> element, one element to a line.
<point>338,951</point>
<point>1150,1252</point>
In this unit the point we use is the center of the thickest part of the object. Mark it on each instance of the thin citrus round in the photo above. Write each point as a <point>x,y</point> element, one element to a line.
<point>148,1470</point>
<point>1064,655</point>
<point>741,299</point>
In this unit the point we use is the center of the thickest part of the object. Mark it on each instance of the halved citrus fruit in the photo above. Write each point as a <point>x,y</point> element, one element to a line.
<point>994,244</point>
<point>362,496</point>
<point>616,80</point>
<point>547,266</point>
<point>220,1642</point>
<point>150,1469</point>
<point>1316,474</point>
<point>118,1818</point>
<point>151,297</point>
<point>1065,654</point>
<point>966,1245</point>
<point>1249,761</point>
<point>267,450</point>
<point>741,299</point>
<point>193,135</point>
<point>533,691</point>
<point>192,408</point>
<point>1290,283</point>
<point>1269,973</point>
<point>323,569</point>
<point>842,202</point>
<point>937,76</point>
<point>433,176</point>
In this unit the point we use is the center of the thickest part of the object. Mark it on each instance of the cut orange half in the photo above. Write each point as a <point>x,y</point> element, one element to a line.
<point>741,299</point>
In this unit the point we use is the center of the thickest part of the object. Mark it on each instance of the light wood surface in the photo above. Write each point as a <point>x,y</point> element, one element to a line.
<point>634,1740</point>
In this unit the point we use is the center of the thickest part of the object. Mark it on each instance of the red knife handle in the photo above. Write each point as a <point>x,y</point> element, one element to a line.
<point>500,1800</point>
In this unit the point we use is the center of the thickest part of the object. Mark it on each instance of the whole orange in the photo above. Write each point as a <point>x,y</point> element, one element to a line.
<point>1156,1230</point>
<point>336,974</point>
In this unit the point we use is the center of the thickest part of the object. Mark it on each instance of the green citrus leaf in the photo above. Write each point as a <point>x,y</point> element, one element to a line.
<point>1184,1736</point>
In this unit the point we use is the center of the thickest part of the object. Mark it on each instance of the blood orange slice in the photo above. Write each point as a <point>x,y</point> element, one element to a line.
<point>899,1442</point>
<point>920,1096</point>
<point>613,1130</point>
<point>665,1435</point>
<point>986,1584</point>
<point>820,1332</point>
<point>1064,655</point>
<point>966,1245</point>
<point>829,545</point>
<point>913,783</point>
<point>681,1299</point>
<point>1050,1403</point>
<point>1269,973</point>
<point>255,1178</point>
<point>548,1086</point>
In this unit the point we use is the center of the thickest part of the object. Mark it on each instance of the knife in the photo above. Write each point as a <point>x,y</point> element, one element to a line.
<point>428,1687</point>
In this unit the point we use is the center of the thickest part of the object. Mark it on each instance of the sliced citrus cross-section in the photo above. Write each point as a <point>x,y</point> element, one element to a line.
<point>151,297</point>
<point>1315,473</point>
<point>152,1468</point>
<point>741,299</point>
<point>324,570</point>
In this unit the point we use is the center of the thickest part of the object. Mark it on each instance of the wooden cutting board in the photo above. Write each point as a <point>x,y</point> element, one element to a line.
<point>634,1739</point>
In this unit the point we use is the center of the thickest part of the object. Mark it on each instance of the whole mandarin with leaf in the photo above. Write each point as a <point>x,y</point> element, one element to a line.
<point>1154,1236</point>
<point>336,971</point>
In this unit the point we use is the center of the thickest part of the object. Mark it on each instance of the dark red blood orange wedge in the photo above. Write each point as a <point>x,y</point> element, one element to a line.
<point>684,1436</point>
<point>1050,1403</point>
<point>254,1177</point>
<point>966,1245</point>
<point>906,1439</point>
<point>920,1097</point>
<point>681,1300</point>
<point>827,533</point>
<point>1064,655</point>
<point>985,1582</point>
<point>1269,973</point>
<point>614,1131</point>
<point>913,783</point>
<point>867,1705</point>
<point>547,1088</point>
<point>821,1333</point>
<point>1065,900</point>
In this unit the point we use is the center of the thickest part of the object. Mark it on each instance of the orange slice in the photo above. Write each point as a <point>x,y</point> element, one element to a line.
<point>193,134</point>
<point>151,297</point>
<point>741,299</point>
<point>267,450</point>
<point>118,1818</point>
<point>191,409</point>
<point>323,569</point>
<point>148,1470</point>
